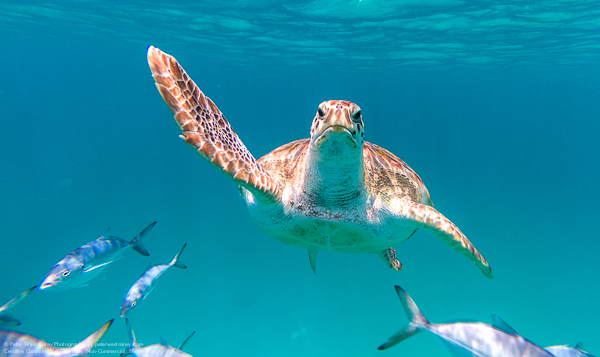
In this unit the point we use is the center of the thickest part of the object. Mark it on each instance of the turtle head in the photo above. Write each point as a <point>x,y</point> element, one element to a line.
<point>338,127</point>
<point>334,172</point>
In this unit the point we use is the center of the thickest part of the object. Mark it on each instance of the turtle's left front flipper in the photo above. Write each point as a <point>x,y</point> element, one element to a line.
<point>205,128</point>
<point>429,219</point>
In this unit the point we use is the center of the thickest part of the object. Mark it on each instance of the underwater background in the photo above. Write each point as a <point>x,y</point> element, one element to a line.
<point>495,104</point>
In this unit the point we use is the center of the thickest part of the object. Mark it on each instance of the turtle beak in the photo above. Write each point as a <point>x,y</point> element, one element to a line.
<point>338,132</point>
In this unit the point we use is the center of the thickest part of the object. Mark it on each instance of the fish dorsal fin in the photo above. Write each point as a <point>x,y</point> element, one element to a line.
<point>105,234</point>
<point>579,346</point>
<point>165,343</point>
<point>186,340</point>
<point>502,326</point>
<point>150,266</point>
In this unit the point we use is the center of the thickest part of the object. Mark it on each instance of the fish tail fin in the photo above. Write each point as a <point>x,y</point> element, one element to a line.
<point>175,262</point>
<point>411,309</point>
<point>83,348</point>
<point>132,342</point>
<point>137,241</point>
<point>416,323</point>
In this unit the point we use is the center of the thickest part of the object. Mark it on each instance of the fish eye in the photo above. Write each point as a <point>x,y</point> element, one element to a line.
<point>356,116</point>
<point>65,273</point>
<point>133,303</point>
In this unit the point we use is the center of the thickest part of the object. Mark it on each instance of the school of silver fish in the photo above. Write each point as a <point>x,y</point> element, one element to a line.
<point>77,270</point>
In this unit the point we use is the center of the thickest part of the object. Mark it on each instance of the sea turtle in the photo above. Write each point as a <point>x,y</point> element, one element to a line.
<point>333,191</point>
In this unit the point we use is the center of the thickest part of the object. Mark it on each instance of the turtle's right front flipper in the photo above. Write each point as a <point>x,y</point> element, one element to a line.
<point>205,128</point>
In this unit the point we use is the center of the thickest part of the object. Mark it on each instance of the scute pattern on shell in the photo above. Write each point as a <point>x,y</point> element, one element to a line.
<point>284,163</point>
<point>385,173</point>
<point>389,176</point>
<point>205,128</point>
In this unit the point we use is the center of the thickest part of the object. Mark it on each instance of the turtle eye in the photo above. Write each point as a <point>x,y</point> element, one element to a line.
<point>356,117</point>
<point>321,112</point>
<point>65,273</point>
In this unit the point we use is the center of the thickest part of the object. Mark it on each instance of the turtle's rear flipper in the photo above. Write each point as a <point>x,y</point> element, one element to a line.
<point>312,257</point>
<point>205,128</point>
<point>389,257</point>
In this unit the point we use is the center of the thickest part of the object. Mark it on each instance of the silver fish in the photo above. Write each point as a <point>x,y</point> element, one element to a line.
<point>464,339</point>
<point>147,282</point>
<point>15,344</point>
<point>163,349</point>
<point>88,261</point>
<point>566,351</point>
<point>6,319</point>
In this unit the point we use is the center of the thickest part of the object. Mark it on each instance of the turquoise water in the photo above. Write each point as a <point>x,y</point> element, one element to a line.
<point>493,103</point>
